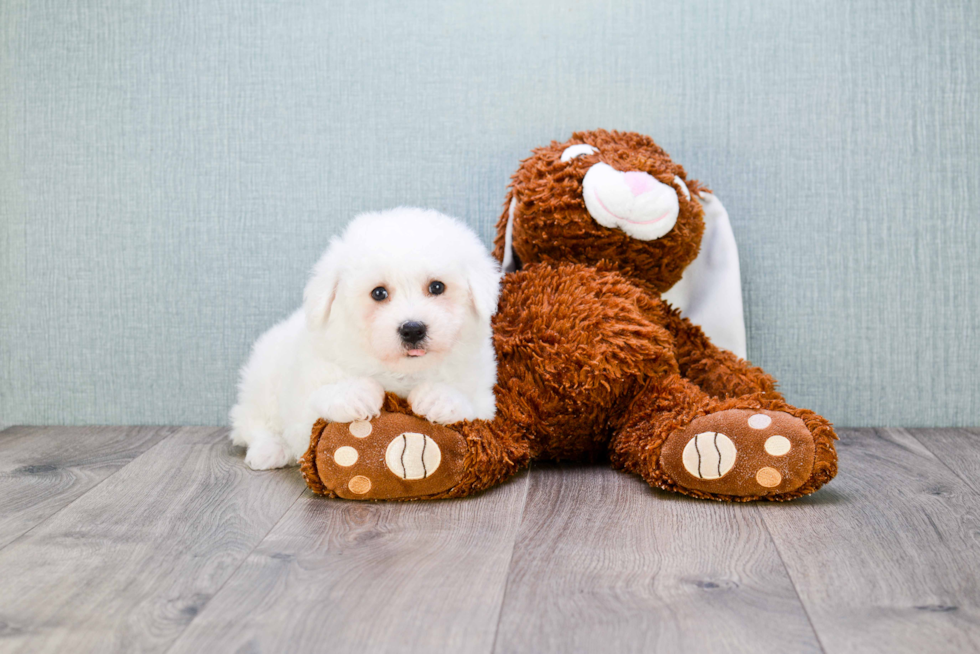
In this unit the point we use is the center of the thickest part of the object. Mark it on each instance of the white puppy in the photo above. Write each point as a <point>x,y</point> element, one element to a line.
<point>400,302</point>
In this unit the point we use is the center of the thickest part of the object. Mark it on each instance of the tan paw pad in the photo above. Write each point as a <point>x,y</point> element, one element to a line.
<point>778,445</point>
<point>740,453</point>
<point>709,455</point>
<point>394,456</point>
<point>345,456</point>
<point>359,484</point>
<point>413,456</point>
<point>360,428</point>
<point>768,477</point>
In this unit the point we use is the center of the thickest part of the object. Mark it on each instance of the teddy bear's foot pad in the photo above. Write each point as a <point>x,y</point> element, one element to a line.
<point>394,456</point>
<point>740,453</point>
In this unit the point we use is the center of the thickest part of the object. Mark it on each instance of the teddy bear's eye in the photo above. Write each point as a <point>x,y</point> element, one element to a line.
<point>578,150</point>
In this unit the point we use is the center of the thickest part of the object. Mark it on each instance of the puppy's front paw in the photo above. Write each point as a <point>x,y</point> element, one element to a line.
<point>353,399</point>
<point>440,403</point>
<point>266,454</point>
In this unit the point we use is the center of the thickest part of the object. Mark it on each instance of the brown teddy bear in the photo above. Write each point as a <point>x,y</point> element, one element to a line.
<point>591,362</point>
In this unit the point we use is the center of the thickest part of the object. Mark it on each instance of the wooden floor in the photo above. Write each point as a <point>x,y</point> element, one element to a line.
<point>159,539</point>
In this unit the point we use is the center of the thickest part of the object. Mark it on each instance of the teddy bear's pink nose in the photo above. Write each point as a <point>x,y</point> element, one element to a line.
<point>639,183</point>
<point>635,202</point>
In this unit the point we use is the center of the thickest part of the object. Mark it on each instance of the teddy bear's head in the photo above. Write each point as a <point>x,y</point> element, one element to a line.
<point>610,198</point>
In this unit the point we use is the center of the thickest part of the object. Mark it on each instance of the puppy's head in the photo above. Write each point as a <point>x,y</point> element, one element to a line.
<point>404,286</point>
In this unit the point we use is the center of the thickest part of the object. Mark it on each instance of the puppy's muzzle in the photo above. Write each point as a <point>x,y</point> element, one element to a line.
<point>412,332</point>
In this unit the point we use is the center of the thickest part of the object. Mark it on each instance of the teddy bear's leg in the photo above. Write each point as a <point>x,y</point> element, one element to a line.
<point>401,456</point>
<point>717,372</point>
<point>745,448</point>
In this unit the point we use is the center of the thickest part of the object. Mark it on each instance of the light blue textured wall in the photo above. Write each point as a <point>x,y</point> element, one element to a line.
<point>169,172</point>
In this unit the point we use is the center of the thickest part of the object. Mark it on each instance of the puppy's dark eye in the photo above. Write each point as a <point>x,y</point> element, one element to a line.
<point>437,288</point>
<point>379,294</point>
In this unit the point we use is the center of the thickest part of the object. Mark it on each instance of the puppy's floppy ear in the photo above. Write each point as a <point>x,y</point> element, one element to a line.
<point>483,277</point>
<point>320,291</point>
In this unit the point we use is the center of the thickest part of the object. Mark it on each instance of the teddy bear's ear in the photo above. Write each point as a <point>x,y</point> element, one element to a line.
<point>320,291</point>
<point>709,293</point>
<point>508,262</point>
<point>503,239</point>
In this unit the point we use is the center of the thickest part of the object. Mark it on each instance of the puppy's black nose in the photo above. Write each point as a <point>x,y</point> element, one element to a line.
<point>412,331</point>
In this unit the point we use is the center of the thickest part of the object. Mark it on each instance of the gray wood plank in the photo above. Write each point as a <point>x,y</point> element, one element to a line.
<point>887,557</point>
<point>959,449</point>
<point>363,577</point>
<point>605,563</point>
<point>129,564</point>
<point>43,469</point>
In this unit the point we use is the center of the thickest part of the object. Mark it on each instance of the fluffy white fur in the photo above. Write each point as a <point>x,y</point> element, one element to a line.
<point>336,356</point>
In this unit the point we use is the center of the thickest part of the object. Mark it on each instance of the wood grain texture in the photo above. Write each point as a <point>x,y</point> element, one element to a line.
<point>184,549</point>
<point>129,564</point>
<point>886,558</point>
<point>959,449</point>
<point>363,577</point>
<point>604,563</point>
<point>43,469</point>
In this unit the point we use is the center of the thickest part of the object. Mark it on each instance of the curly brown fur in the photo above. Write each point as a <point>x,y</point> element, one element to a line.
<point>591,362</point>
<point>557,380</point>
<point>496,450</point>
<point>637,448</point>
<point>307,463</point>
<point>552,225</point>
<point>717,372</point>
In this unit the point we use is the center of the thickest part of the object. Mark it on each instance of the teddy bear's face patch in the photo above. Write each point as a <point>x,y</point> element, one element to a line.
<point>609,198</point>
<point>635,201</point>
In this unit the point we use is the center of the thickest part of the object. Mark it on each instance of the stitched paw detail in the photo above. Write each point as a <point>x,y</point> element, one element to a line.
<point>709,455</point>
<point>740,453</point>
<point>394,456</point>
<point>413,456</point>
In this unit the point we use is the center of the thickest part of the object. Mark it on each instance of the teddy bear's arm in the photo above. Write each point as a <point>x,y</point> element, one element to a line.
<point>716,371</point>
